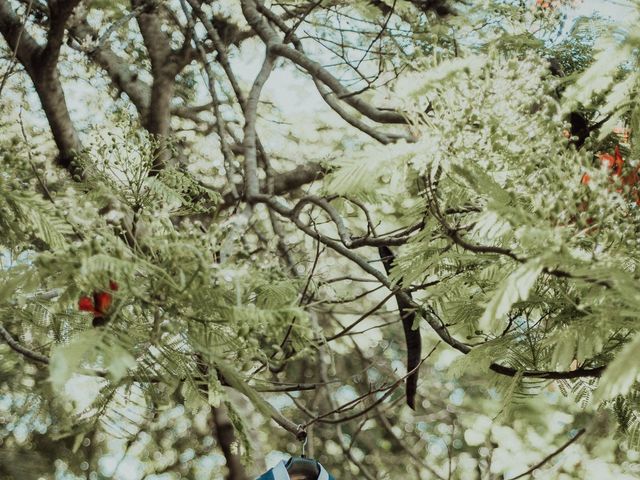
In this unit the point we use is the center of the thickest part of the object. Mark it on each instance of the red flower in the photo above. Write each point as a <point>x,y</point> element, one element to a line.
<point>586,178</point>
<point>99,305</point>
<point>615,163</point>
<point>612,162</point>
<point>85,304</point>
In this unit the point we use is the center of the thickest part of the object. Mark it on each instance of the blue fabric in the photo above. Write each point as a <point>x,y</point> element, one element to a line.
<point>279,472</point>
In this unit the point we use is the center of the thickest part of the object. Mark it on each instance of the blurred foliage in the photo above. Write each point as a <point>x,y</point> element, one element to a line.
<point>206,300</point>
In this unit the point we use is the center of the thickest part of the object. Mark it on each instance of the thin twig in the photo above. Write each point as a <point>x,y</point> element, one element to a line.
<point>551,455</point>
<point>16,346</point>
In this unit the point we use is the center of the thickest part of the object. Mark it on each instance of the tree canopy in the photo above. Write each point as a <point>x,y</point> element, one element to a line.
<point>405,230</point>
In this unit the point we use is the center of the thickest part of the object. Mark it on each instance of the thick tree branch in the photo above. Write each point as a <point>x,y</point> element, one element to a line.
<point>117,68</point>
<point>21,43</point>
<point>15,45</point>
<point>163,69</point>
<point>223,429</point>
<point>59,13</point>
<point>284,182</point>
<point>252,185</point>
<point>41,65</point>
<point>287,181</point>
<point>49,89</point>
<point>412,337</point>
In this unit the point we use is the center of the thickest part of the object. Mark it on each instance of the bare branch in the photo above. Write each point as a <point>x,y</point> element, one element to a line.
<point>251,12</point>
<point>351,404</point>
<point>252,186</point>
<point>440,329</point>
<point>551,455</point>
<point>220,48</point>
<point>220,123</point>
<point>16,346</point>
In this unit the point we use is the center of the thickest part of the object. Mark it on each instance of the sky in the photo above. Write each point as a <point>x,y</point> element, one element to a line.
<point>616,9</point>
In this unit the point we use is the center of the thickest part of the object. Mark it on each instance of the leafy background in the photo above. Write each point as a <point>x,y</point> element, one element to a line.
<point>235,316</point>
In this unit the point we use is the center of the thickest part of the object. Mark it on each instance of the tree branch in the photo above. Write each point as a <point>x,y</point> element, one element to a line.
<point>223,429</point>
<point>59,13</point>
<point>252,186</point>
<point>163,69</point>
<point>41,66</point>
<point>117,68</point>
<point>17,347</point>
<point>551,455</point>
<point>250,8</point>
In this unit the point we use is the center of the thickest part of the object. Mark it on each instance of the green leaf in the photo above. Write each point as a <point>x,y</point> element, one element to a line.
<point>599,75</point>
<point>621,373</point>
<point>277,294</point>
<point>77,442</point>
<point>564,350</point>
<point>514,288</point>
<point>215,391</point>
<point>193,400</point>
<point>88,348</point>
<point>119,361</point>
<point>478,359</point>
<point>66,359</point>
<point>14,279</point>
<point>482,183</point>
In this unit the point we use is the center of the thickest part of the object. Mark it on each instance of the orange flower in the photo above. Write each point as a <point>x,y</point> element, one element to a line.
<point>615,163</point>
